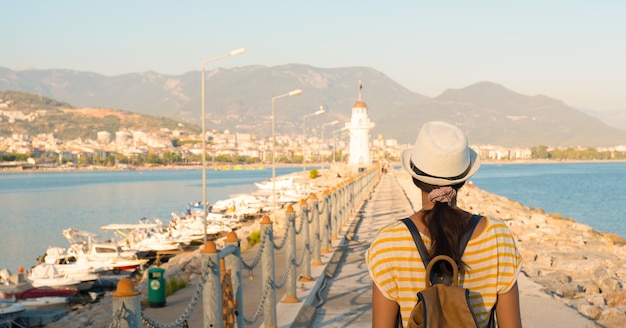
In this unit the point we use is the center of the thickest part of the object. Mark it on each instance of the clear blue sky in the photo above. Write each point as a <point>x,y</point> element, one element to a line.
<point>574,51</point>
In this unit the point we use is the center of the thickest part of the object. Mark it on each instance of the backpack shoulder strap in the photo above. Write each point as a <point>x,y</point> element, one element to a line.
<point>418,240</point>
<point>468,232</point>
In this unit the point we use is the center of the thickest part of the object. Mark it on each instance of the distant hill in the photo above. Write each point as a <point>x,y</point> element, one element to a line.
<point>239,99</point>
<point>42,115</point>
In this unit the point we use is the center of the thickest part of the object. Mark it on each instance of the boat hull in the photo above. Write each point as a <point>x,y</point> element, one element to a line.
<point>10,311</point>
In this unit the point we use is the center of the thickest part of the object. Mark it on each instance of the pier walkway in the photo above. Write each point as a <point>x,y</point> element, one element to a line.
<point>346,297</point>
<point>340,294</point>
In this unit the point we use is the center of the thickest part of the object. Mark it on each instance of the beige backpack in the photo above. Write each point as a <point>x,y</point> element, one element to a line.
<point>442,305</point>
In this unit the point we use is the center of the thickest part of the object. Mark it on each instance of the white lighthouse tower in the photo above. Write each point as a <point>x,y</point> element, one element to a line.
<point>359,127</point>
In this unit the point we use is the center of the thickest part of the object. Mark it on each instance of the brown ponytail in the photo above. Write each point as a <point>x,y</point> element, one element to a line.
<point>446,225</point>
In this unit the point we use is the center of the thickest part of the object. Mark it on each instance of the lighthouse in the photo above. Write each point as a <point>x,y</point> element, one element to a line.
<point>359,127</point>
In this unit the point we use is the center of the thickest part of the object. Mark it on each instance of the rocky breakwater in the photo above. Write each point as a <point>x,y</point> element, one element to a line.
<point>572,261</point>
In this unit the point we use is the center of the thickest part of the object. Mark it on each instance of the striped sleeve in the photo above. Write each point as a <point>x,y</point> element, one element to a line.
<point>396,267</point>
<point>494,264</point>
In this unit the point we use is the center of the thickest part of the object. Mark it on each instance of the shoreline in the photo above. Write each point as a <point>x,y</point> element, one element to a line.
<point>262,166</point>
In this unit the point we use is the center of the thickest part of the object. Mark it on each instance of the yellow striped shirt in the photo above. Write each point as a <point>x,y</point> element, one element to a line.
<point>397,269</point>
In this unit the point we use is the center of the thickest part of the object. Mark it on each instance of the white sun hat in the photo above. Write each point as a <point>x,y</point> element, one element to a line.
<point>441,155</point>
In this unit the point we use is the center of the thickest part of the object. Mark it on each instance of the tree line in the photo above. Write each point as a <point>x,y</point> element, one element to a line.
<point>176,158</point>
<point>574,154</point>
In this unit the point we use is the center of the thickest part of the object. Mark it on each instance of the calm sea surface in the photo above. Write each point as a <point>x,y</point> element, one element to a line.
<point>590,193</point>
<point>36,206</point>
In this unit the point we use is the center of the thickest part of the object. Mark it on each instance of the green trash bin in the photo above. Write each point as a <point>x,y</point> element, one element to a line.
<point>156,287</point>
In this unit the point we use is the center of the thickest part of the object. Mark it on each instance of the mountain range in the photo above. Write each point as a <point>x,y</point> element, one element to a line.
<point>240,99</point>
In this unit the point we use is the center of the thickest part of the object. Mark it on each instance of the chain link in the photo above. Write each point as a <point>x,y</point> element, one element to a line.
<point>306,249</point>
<point>283,241</point>
<point>324,206</point>
<point>259,310</point>
<point>283,281</point>
<point>250,267</point>
<point>298,231</point>
<point>310,216</point>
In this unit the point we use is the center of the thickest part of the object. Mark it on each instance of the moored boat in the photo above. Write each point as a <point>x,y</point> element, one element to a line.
<point>148,236</point>
<point>46,275</point>
<point>279,183</point>
<point>85,248</point>
<point>63,275</point>
<point>9,311</point>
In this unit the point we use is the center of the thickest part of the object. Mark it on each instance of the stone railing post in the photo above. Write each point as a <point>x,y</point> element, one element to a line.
<point>268,274</point>
<point>344,212</point>
<point>350,190</point>
<point>126,305</point>
<point>317,256</point>
<point>212,290</point>
<point>325,224</point>
<point>233,263</point>
<point>290,253</point>
<point>334,210</point>
<point>306,245</point>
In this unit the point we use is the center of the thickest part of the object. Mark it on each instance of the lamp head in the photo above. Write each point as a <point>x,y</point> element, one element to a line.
<point>296,92</point>
<point>237,52</point>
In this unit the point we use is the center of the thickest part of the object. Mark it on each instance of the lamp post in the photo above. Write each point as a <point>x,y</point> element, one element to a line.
<point>334,139</point>
<point>295,92</point>
<point>323,127</point>
<point>204,207</point>
<point>319,112</point>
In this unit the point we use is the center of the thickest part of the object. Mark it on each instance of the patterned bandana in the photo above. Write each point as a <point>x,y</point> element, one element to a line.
<point>442,194</point>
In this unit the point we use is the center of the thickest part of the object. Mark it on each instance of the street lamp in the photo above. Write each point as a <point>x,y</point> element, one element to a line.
<point>295,92</point>
<point>340,131</point>
<point>204,205</point>
<point>319,112</point>
<point>323,127</point>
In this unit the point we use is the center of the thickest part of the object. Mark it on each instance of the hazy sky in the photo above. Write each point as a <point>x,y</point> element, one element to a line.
<point>574,51</point>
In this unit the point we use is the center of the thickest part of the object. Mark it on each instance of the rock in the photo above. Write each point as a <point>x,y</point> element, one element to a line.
<point>604,281</point>
<point>616,299</point>
<point>613,317</point>
<point>588,310</point>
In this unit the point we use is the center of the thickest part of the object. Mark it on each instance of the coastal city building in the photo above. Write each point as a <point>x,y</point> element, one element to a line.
<point>349,145</point>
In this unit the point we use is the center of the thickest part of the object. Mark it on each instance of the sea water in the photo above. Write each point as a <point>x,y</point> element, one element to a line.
<point>590,193</point>
<point>36,206</point>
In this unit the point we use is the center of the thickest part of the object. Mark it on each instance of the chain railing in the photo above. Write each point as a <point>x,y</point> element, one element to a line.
<point>321,221</point>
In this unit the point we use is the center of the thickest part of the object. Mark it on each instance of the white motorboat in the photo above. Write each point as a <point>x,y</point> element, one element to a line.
<point>17,286</point>
<point>86,249</point>
<point>46,275</point>
<point>191,227</point>
<point>280,183</point>
<point>86,244</point>
<point>70,265</point>
<point>10,311</point>
<point>146,236</point>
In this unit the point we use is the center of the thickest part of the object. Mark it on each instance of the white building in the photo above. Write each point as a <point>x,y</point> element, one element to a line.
<point>359,127</point>
<point>104,137</point>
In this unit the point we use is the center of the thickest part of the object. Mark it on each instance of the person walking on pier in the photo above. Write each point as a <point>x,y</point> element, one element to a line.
<point>440,163</point>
